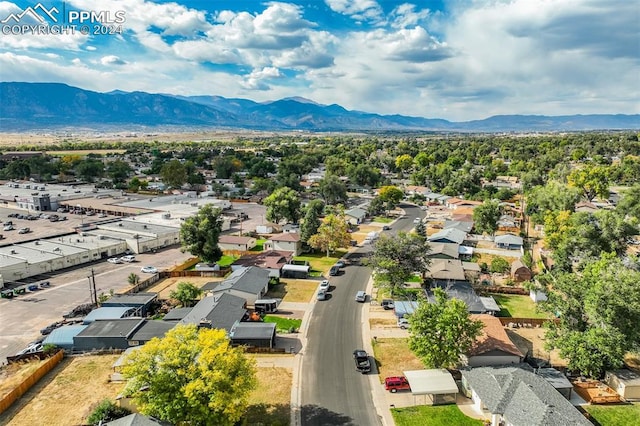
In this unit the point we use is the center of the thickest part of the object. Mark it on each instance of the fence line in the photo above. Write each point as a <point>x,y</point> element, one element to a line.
<point>29,381</point>
<point>524,322</point>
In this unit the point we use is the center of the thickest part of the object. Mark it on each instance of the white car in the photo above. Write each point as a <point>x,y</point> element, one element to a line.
<point>417,220</point>
<point>403,323</point>
<point>149,270</point>
<point>324,285</point>
<point>128,258</point>
<point>114,260</point>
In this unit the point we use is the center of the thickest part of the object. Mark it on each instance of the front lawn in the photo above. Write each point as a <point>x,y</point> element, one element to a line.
<point>614,415</point>
<point>283,325</point>
<point>382,219</point>
<point>319,262</point>
<point>393,356</point>
<point>290,290</point>
<point>517,306</point>
<point>270,400</point>
<point>427,415</point>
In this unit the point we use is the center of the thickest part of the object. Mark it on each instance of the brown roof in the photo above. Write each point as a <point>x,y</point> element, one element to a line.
<point>287,236</point>
<point>493,337</point>
<point>272,259</point>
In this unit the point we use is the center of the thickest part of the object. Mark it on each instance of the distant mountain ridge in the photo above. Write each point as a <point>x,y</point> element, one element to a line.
<point>49,106</point>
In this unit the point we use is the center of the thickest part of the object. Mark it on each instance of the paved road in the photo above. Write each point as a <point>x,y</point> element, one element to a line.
<point>333,392</point>
<point>22,317</point>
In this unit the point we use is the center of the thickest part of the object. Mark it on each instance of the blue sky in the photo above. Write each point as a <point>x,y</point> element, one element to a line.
<point>452,59</point>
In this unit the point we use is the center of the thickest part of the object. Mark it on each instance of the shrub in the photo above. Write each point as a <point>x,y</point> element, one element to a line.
<point>106,411</point>
<point>499,265</point>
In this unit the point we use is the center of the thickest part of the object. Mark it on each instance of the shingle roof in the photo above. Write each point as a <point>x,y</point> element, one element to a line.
<point>136,419</point>
<point>454,235</point>
<point>112,328</point>
<point>508,239</point>
<point>251,280</point>
<point>493,337</point>
<point>222,311</point>
<point>462,290</point>
<point>176,314</point>
<point>292,237</point>
<point>234,239</point>
<point>522,397</point>
<point>356,212</point>
<point>253,330</point>
<point>446,269</point>
<point>447,249</point>
<point>134,299</point>
<point>151,329</point>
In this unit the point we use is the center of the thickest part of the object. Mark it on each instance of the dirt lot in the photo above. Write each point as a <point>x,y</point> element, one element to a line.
<point>166,286</point>
<point>67,394</point>
<point>290,290</point>
<point>531,340</point>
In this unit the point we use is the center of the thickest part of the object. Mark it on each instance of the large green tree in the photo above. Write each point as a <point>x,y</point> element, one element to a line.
<point>190,377</point>
<point>598,314</point>
<point>391,196</point>
<point>396,258</point>
<point>486,217</point>
<point>629,203</point>
<point>283,204</point>
<point>552,197</point>
<point>442,331</point>
<point>311,221</point>
<point>333,190</point>
<point>186,293</point>
<point>592,180</point>
<point>200,233</point>
<point>332,234</point>
<point>174,174</point>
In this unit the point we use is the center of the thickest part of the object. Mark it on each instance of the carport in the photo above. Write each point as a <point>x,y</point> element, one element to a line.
<point>432,387</point>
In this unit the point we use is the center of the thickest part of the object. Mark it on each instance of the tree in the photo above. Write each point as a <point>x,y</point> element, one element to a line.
<point>629,203</point>
<point>442,331</point>
<point>499,265</point>
<point>106,411</point>
<point>421,229</point>
<point>552,197</point>
<point>332,234</point>
<point>190,376</point>
<point>592,180</point>
<point>133,279</point>
<point>89,169</point>
<point>174,174</point>
<point>404,162</point>
<point>486,217</point>
<point>200,233</point>
<point>391,196</point>
<point>185,293</point>
<point>311,221</point>
<point>396,258</point>
<point>118,171</point>
<point>598,314</point>
<point>376,206</point>
<point>283,204</point>
<point>333,190</point>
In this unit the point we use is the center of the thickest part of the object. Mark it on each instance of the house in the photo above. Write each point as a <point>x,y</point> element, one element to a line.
<point>493,346</point>
<point>108,313</point>
<point>107,334</point>
<point>220,311</point>
<point>141,301</point>
<point>291,227</point>
<point>514,395</point>
<point>558,380</point>
<point>508,221</point>
<point>355,216</point>
<point>464,226</point>
<point>148,330</point>
<point>443,251</point>
<point>446,271</point>
<point>416,190</point>
<point>451,235</point>
<point>457,204</point>
<point>520,272</point>
<point>253,334</point>
<point>509,242</point>
<point>62,337</point>
<point>250,283</point>
<point>471,270</point>
<point>236,243</point>
<point>625,382</point>
<point>285,242</point>
<point>586,207</point>
<point>462,290</point>
<point>271,260</point>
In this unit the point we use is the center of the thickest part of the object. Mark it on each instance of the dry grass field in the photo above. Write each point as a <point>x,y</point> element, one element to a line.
<point>393,357</point>
<point>290,290</point>
<point>67,395</point>
<point>270,401</point>
<point>12,375</point>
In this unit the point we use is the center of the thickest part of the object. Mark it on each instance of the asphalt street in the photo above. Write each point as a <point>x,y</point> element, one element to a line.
<point>333,392</point>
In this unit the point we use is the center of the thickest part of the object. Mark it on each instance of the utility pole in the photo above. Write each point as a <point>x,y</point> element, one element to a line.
<point>92,288</point>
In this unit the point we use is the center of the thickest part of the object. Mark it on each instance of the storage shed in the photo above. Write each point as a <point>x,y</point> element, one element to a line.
<point>625,382</point>
<point>253,334</point>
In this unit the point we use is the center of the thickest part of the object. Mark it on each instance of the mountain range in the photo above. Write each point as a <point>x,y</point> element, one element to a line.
<point>55,106</point>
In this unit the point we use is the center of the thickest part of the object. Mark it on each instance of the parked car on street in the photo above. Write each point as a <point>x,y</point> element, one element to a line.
<point>361,358</point>
<point>322,295</point>
<point>149,270</point>
<point>24,231</point>
<point>361,296</point>
<point>128,258</point>
<point>324,285</point>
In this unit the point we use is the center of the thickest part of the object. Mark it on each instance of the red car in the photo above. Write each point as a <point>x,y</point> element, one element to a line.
<point>394,384</point>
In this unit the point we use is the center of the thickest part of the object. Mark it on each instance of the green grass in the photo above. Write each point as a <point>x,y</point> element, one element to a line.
<point>226,261</point>
<point>415,279</point>
<point>517,306</point>
<point>319,262</point>
<point>283,325</point>
<point>426,415</point>
<point>259,245</point>
<point>614,415</point>
<point>382,219</point>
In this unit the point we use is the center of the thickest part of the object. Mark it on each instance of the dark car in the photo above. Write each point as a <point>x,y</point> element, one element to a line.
<point>335,270</point>
<point>45,284</point>
<point>361,358</point>
<point>386,228</point>
<point>33,287</point>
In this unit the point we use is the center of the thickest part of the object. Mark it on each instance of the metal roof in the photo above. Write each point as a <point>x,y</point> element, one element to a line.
<point>252,330</point>
<point>431,382</point>
<point>114,312</point>
<point>63,336</point>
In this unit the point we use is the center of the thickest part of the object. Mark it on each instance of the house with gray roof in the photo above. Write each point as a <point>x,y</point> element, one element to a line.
<point>250,283</point>
<point>254,334</point>
<point>107,334</point>
<point>443,251</point>
<point>355,215</point>
<point>514,395</point>
<point>462,290</point>
<point>140,301</point>
<point>219,311</point>
<point>463,226</point>
<point>107,313</point>
<point>136,419</point>
<point>509,242</point>
<point>149,330</point>
<point>451,236</point>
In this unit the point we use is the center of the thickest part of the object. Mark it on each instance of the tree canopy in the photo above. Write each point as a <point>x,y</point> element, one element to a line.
<point>396,258</point>
<point>332,234</point>
<point>441,332</point>
<point>486,217</point>
<point>333,190</point>
<point>190,376</point>
<point>283,204</point>
<point>185,293</point>
<point>391,196</point>
<point>598,314</point>
<point>200,233</point>
<point>592,180</point>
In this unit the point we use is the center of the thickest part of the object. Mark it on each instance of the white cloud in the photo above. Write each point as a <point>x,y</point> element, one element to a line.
<point>358,10</point>
<point>111,60</point>
<point>258,79</point>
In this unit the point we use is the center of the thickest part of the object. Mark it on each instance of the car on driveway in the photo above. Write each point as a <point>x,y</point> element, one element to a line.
<point>149,270</point>
<point>387,304</point>
<point>114,260</point>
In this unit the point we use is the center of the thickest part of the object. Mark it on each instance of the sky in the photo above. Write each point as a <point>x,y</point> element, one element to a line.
<point>454,59</point>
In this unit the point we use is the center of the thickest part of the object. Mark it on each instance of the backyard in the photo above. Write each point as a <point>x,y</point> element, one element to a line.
<point>614,415</point>
<point>426,415</point>
<point>517,306</point>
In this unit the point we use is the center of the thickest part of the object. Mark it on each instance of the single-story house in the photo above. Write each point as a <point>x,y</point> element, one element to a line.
<point>508,221</point>
<point>176,314</point>
<point>253,334</point>
<point>586,207</point>
<point>416,190</point>
<point>141,301</point>
<point>291,227</point>
<point>446,271</point>
<point>236,243</point>
<point>520,272</point>
<point>136,419</point>
<point>107,334</point>
<point>463,226</point>
<point>463,203</point>
<point>462,290</point>
<point>508,242</point>
<point>493,346</point>
<point>149,330</point>
<point>437,384</point>
<point>271,260</point>
<point>108,313</point>
<point>443,251</point>
<point>625,382</point>
<point>250,283</point>
<point>355,216</point>
<point>219,311</point>
<point>451,236</point>
<point>515,396</point>
<point>285,242</point>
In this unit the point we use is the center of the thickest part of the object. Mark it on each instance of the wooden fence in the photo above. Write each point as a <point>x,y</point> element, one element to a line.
<point>524,322</point>
<point>501,289</point>
<point>29,381</point>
